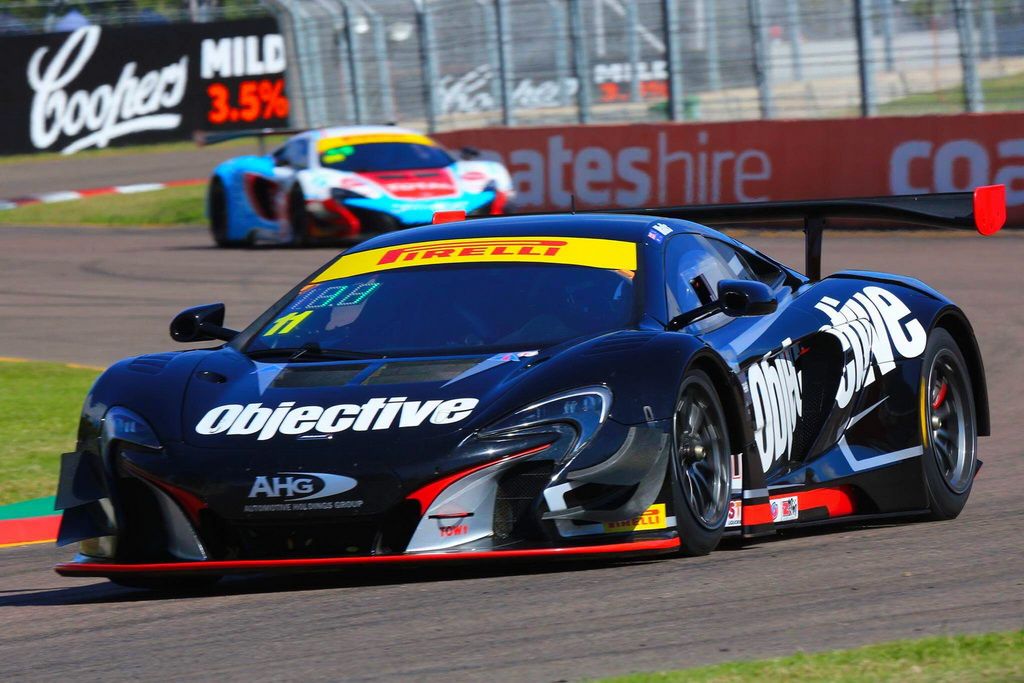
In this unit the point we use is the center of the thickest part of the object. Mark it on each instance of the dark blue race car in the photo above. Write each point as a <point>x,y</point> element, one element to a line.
<point>551,385</point>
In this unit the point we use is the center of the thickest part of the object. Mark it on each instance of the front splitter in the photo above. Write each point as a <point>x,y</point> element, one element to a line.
<point>92,568</point>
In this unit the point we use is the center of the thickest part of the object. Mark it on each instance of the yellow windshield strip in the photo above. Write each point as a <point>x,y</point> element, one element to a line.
<point>411,138</point>
<point>574,251</point>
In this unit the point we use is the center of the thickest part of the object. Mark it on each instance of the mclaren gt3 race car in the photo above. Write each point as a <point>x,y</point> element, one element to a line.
<point>346,183</point>
<point>535,386</point>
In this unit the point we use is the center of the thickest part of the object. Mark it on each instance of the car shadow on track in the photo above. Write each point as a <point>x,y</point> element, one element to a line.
<point>106,592</point>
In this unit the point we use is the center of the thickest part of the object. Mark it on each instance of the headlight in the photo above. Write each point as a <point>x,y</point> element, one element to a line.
<point>121,424</point>
<point>586,409</point>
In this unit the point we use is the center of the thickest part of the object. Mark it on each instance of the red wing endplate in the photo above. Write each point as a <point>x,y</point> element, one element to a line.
<point>990,208</point>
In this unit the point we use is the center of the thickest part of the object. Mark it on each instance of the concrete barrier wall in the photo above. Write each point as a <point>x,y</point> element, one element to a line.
<point>687,163</point>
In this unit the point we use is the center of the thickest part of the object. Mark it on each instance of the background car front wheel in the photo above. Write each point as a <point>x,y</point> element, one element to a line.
<point>949,426</point>
<point>701,466</point>
<point>217,208</point>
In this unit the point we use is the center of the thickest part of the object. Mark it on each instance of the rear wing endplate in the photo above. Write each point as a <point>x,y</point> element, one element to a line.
<point>983,210</point>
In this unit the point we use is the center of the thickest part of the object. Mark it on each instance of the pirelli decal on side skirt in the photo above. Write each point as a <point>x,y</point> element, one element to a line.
<point>573,251</point>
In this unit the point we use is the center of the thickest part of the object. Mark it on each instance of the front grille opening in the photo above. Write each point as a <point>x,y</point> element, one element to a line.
<point>516,515</point>
<point>306,538</point>
<point>299,538</point>
<point>143,535</point>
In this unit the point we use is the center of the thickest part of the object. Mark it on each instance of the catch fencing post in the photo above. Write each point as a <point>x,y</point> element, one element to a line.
<point>676,83</point>
<point>355,67</point>
<point>580,63</point>
<point>865,69</point>
<point>761,75</point>
<point>973,96</point>
<point>711,44</point>
<point>795,31</point>
<point>887,34</point>
<point>504,62</point>
<point>560,40</point>
<point>633,49</point>
<point>380,47</point>
<point>425,25</point>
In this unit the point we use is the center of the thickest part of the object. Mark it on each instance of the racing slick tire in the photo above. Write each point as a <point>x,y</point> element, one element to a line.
<point>217,208</point>
<point>949,426</point>
<point>299,217</point>
<point>165,584</point>
<point>701,465</point>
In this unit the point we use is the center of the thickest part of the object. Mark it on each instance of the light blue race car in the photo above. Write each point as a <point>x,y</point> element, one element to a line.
<point>345,184</point>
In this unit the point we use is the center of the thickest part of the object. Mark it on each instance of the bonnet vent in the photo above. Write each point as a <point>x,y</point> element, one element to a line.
<point>151,364</point>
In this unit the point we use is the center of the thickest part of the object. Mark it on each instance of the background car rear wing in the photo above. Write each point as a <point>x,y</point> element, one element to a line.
<point>205,137</point>
<point>983,210</point>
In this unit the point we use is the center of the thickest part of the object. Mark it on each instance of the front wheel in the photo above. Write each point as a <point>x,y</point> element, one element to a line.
<point>299,217</point>
<point>701,465</point>
<point>949,426</point>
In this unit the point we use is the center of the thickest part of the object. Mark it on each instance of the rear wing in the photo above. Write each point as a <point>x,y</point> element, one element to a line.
<point>983,210</point>
<point>206,137</point>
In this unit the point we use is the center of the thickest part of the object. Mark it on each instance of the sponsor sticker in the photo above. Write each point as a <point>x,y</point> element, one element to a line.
<point>785,509</point>
<point>575,251</point>
<point>735,517</point>
<point>296,491</point>
<point>652,518</point>
<point>776,395</point>
<point>265,422</point>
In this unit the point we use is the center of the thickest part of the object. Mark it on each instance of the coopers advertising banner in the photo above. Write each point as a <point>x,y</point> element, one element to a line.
<point>99,86</point>
<point>749,161</point>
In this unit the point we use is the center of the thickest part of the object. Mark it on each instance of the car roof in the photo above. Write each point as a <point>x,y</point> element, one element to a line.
<point>625,227</point>
<point>343,131</point>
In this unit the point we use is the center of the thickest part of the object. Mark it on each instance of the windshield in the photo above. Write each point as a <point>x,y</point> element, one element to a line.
<point>452,309</point>
<point>382,156</point>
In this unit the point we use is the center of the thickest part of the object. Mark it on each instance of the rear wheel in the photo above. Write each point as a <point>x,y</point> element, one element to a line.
<point>299,217</point>
<point>949,429</point>
<point>701,466</point>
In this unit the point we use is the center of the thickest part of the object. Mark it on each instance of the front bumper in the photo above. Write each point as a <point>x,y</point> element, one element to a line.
<point>84,566</point>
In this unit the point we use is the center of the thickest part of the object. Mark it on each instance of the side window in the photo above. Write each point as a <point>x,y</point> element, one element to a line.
<point>297,153</point>
<point>693,267</point>
<point>749,266</point>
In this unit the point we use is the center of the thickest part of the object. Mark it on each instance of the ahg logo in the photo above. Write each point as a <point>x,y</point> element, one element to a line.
<point>109,111</point>
<point>305,485</point>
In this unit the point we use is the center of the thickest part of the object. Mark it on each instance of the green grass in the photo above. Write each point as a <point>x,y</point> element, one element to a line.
<point>173,206</point>
<point>39,408</point>
<point>960,659</point>
<point>183,146</point>
<point>1005,93</point>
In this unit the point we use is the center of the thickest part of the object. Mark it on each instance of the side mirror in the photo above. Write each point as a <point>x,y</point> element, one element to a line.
<point>201,323</point>
<point>739,298</point>
<point>469,153</point>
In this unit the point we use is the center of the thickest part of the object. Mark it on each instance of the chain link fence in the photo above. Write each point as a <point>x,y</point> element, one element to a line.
<point>445,64</point>
<point>20,17</point>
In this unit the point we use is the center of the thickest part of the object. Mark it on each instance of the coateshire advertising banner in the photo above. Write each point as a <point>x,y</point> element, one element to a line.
<point>691,163</point>
<point>99,86</point>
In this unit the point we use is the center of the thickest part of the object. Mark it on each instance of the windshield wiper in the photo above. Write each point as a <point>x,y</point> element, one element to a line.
<point>312,351</point>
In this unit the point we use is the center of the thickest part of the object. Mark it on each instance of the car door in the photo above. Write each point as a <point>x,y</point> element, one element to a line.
<point>785,386</point>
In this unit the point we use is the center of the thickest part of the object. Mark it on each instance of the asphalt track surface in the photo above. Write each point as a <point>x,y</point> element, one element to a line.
<point>84,171</point>
<point>90,296</point>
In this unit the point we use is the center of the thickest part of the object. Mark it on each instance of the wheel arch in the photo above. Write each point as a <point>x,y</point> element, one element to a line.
<point>729,393</point>
<point>955,322</point>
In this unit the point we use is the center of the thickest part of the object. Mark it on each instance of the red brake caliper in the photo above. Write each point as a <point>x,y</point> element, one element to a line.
<point>940,398</point>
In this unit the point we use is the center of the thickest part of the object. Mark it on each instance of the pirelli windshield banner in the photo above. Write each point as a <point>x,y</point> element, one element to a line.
<point>99,86</point>
<point>572,251</point>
